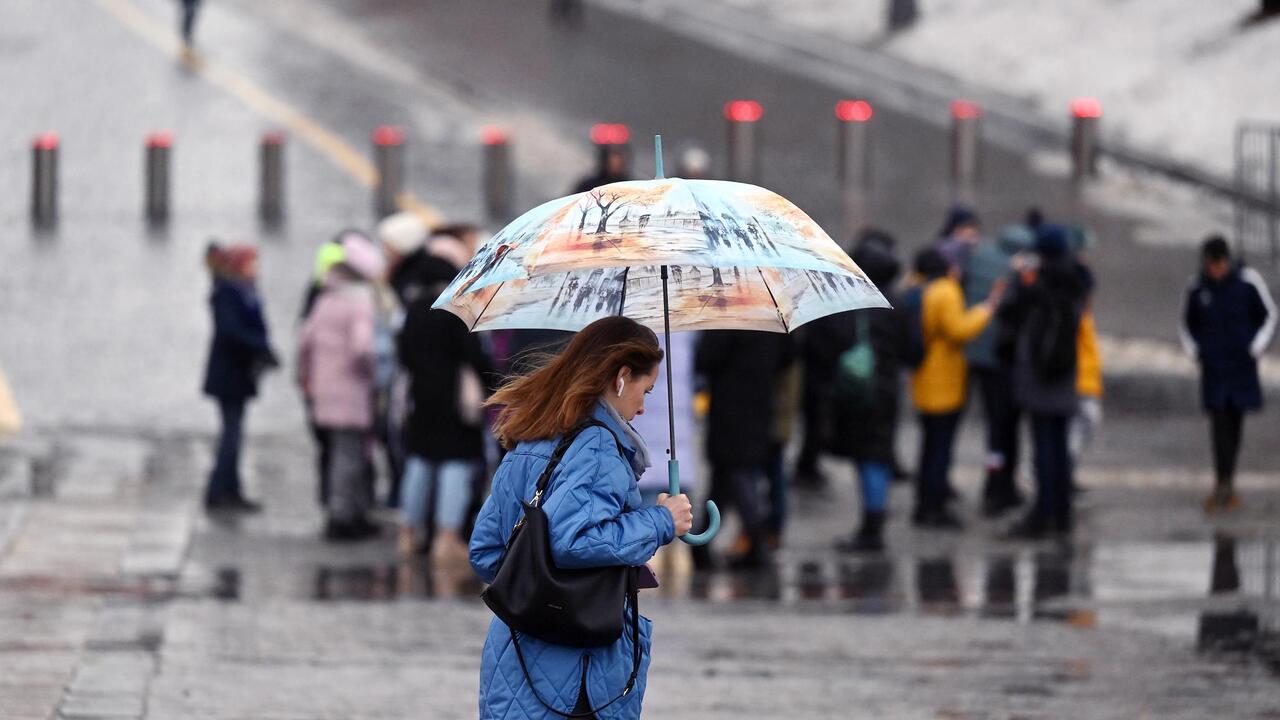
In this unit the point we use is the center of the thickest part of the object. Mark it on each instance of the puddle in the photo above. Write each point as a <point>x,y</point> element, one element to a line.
<point>1111,585</point>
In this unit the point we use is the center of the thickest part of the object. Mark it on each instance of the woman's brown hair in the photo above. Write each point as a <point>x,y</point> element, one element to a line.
<point>552,399</point>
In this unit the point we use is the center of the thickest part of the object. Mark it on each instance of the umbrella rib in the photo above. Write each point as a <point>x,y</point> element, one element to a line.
<point>623,302</point>
<point>480,314</point>
<point>781,319</point>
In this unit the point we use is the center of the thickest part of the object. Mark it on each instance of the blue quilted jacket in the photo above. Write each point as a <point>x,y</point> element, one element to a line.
<point>595,516</point>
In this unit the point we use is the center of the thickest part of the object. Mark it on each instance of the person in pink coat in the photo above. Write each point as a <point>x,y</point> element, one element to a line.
<point>336,372</point>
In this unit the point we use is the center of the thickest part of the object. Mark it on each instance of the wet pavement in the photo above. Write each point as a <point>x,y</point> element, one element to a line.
<point>120,598</point>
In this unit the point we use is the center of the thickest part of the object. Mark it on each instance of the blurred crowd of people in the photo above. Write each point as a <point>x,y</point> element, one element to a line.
<point>1002,322</point>
<point>1010,316</point>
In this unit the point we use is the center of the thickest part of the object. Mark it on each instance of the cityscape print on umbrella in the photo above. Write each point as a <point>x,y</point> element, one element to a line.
<point>769,299</point>
<point>677,222</point>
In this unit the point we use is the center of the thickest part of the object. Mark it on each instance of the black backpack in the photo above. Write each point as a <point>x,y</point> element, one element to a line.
<point>1054,331</point>
<point>912,302</point>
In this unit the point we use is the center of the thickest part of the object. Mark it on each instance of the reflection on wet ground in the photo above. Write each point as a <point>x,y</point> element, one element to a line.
<point>1021,585</point>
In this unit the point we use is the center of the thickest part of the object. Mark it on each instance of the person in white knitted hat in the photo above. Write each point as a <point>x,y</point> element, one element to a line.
<point>403,237</point>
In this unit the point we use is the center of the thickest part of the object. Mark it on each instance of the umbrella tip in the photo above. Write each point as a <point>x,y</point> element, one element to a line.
<point>657,157</point>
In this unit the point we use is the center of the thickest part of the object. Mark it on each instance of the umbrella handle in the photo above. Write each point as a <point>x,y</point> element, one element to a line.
<point>713,512</point>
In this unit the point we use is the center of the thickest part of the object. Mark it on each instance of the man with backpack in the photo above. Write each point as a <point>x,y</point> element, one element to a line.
<point>989,262</point>
<point>1040,321</point>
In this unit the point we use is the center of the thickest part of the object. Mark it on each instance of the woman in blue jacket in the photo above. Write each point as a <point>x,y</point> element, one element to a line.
<point>593,509</point>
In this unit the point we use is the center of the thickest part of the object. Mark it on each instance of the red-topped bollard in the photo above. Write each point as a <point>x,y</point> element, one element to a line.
<point>853,151</point>
<point>271,177</point>
<point>1085,113</point>
<point>44,178</point>
<point>497,178</point>
<point>966,143</point>
<point>742,118</point>
<point>612,140</point>
<point>388,158</point>
<point>853,161</point>
<point>158,147</point>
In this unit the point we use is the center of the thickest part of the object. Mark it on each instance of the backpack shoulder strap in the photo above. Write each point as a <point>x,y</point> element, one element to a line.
<point>562,447</point>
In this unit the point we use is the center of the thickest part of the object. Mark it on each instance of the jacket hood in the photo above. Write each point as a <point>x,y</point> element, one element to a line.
<point>881,267</point>
<point>1014,239</point>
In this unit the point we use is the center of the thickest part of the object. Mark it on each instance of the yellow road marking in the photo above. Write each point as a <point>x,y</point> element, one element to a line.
<point>326,142</point>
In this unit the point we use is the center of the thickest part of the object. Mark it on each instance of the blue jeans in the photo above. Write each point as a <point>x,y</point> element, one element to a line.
<point>449,481</point>
<point>224,481</point>
<point>874,478</point>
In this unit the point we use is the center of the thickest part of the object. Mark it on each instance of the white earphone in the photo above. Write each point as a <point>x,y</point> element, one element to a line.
<point>621,384</point>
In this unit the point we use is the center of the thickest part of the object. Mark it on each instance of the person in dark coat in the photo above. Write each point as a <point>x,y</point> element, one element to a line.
<point>741,368</point>
<point>187,25</point>
<point>818,368</point>
<point>1040,321</point>
<point>864,417</point>
<point>612,168</point>
<point>444,435</point>
<point>1228,319</point>
<point>987,264</point>
<point>239,354</point>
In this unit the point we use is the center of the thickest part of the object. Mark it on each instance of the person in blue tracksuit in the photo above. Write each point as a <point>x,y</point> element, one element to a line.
<point>594,512</point>
<point>1228,319</point>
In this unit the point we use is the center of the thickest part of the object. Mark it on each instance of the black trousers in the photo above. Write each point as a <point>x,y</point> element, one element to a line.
<point>1053,468</point>
<point>1001,413</point>
<point>814,407</point>
<point>189,10</point>
<point>937,437</point>
<point>1226,427</point>
<point>739,487</point>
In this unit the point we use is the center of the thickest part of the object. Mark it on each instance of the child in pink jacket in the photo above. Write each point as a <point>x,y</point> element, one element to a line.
<point>335,370</point>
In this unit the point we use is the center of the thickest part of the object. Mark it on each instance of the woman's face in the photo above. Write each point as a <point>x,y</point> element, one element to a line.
<point>634,388</point>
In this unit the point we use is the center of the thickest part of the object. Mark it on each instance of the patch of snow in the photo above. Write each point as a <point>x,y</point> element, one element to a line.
<point>1173,78</point>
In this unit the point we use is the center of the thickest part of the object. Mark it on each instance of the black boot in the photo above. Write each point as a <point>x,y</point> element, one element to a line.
<point>1033,526</point>
<point>870,536</point>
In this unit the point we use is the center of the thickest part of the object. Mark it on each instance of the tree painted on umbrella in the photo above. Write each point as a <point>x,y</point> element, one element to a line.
<point>607,209</point>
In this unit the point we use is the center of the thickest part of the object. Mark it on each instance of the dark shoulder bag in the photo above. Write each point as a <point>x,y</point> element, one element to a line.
<point>574,607</point>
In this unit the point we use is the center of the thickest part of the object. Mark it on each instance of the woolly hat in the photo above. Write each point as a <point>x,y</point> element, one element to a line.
<point>362,257</point>
<point>329,254</point>
<point>450,249</point>
<point>403,232</point>
<point>236,259</point>
<point>958,215</point>
<point>1052,240</point>
<point>1016,238</point>
<point>930,264</point>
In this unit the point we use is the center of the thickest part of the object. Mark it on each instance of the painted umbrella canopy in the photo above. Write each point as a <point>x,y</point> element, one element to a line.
<point>738,256</point>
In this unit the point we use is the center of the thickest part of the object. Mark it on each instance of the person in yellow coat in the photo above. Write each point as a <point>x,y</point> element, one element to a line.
<point>1084,426</point>
<point>1088,418</point>
<point>939,383</point>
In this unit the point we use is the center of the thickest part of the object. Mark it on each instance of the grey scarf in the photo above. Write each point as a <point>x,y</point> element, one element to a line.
<point>641,461</point>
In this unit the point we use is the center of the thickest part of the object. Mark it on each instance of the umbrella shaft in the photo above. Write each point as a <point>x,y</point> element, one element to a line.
<point>666,332</point>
